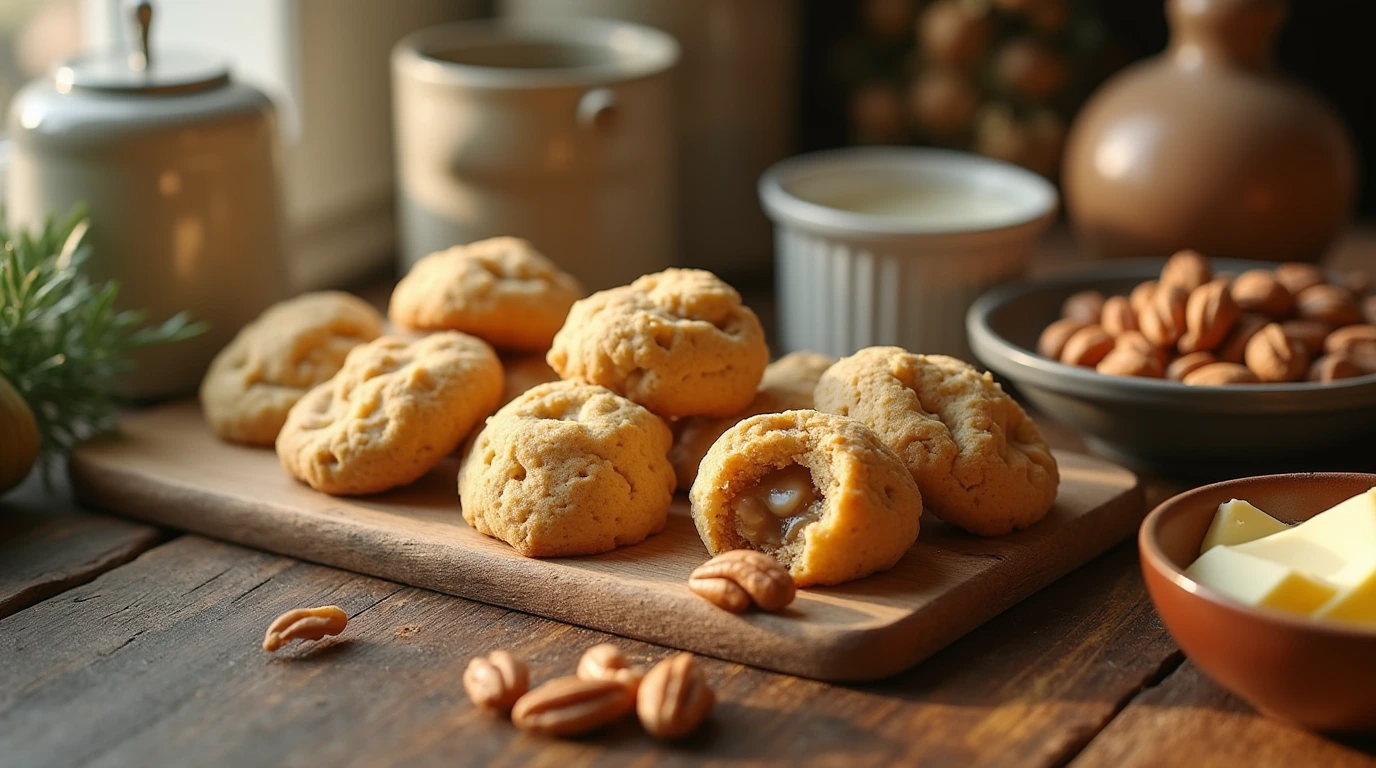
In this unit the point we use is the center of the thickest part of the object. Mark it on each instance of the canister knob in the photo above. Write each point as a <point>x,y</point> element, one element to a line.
<point>142,59</point>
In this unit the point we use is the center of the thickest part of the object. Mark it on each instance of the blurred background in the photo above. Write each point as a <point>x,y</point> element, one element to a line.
<point>1000,77</point>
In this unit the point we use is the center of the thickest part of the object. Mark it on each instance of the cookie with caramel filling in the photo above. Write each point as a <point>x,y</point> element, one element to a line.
<point>819,492</point>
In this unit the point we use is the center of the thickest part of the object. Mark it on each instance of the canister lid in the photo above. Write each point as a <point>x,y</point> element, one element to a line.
<point>139,70</point>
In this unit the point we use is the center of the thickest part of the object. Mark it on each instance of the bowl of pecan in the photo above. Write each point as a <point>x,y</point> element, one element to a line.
<point>1197,363</point>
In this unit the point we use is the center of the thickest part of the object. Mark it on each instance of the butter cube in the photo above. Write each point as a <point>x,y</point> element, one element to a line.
<point>1358,601</point>
<point>1327,543</point>
<point>1258,581</point>
<point>1238,522</point>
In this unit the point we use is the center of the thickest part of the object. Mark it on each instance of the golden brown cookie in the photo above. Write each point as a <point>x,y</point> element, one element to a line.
<point>277,358</point>
<point>568,469</point>
<point>980,461</point>
<point>523,373</point>
<point>678,342</point>
<point>392,412</point>
<point>821,493</point>
<point>786,386</point>
<point>500,290</point>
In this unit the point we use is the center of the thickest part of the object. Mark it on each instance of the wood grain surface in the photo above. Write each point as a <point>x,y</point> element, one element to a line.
<point>167,468</point>
<point>48,544</point>
<point>159,663</point>
<point>1188,720</point>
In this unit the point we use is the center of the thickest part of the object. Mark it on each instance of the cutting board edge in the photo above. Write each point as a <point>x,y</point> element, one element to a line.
<point>852,654</point>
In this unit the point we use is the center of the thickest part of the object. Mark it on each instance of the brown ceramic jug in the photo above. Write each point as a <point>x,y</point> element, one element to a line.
<point>1206,147</point>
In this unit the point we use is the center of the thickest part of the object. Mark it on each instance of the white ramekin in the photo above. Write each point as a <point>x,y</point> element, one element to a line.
<point>850,280</point>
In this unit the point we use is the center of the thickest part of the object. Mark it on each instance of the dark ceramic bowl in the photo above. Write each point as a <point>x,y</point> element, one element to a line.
<point>1319,675</point>
<point>1153,422</point>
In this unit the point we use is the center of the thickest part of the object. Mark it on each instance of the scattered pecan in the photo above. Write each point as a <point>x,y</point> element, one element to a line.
<point>1210,314</point>
<point>1310,333</point>
<point>570,706</point>
<point>1118,316</point>
<point>1273,356</point>
<point>1333,367</point>
<point>1235,347</point>
<point>735,579</point>
<point>1186,364</point>
<point>304,624</point>
<point>496,681</point>
<point>1296,276</point>
<point>1330,304</point>
<point>1084,306</point>
<point>674,699</point>
<point>1187,269</point>
<point>1053,339</point>
<point>606,662</point>
<point>1220,374</point>
<point>1258,290</point>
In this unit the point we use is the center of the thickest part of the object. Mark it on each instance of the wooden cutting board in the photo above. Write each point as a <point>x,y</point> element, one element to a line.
<point>167,468</point>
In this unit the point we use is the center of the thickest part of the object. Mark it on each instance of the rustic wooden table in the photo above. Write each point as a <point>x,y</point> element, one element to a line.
<point>124,645</point>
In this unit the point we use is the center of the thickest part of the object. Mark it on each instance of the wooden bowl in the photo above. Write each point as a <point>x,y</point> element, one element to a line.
<point>1316,674</point>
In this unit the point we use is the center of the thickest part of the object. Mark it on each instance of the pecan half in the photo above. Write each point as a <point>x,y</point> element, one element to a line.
<point>1184,365</point>
<point>1333,367</point>
<point>735,579</point>
<point>1054,337</point>
<point>496,681</point>
<point>1187,269</point>
<point>1163,321</point>
<point>1220,374</point>
<point>1352,335</point>
<point>674,699</point>
<point>1235,347</point>
<point>1357,343</point>
<point>1330,304</point>
<point>1209,316</point>
<point>1128,361</point>
<point>1273,356</point>
<point>570,706</point>
<point>1358,281</point>
<point>1310,333</point>
<point>1084,306</point>
<point>1258,290</point>
<point>304,624</point>
<point>1136,341</point>
<point>1140,297</point>
<point>606,662</point>
<point>1118,316</point>
<point>1296,276</point>
<point>1087,346</point>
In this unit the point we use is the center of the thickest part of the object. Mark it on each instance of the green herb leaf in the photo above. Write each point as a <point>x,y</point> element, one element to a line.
<point>62,340</point>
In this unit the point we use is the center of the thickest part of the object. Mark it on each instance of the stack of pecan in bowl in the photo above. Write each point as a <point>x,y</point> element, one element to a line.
<point>1200,328</point>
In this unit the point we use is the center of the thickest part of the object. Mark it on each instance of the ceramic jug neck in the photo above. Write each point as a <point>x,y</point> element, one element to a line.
<point>1236,33</point>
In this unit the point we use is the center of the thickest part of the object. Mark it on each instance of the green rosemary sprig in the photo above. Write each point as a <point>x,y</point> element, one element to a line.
<point>62,341</point>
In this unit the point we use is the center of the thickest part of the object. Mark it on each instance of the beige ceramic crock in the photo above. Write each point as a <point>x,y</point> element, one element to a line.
<point>556,130</point>
<point>177,165</point>
<point>734,96</point>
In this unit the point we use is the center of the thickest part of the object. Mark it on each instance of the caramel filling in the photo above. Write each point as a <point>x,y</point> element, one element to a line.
<point>774,512</point>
